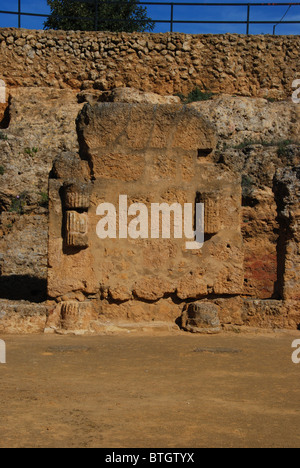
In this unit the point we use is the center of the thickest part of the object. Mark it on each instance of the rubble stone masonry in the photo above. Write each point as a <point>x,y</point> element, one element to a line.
<point>261,66</point>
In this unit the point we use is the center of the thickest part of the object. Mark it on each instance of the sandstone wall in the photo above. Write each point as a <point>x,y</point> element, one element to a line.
<point>152,155</point>
<point>256,140</point>
<point>249,133</point>
<point>263,66</point>
<point>287,191</point>
<point>41,124</point>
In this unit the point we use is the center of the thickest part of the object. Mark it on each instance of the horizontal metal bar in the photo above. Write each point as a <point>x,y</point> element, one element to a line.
<point>234,22</point>
<point>224,22</point>
<point>172,4</point>
<point>212,4</point>
<point>163,4</point>
<point>159,21</point>
<point>23,14</point>
<point>197,4</point>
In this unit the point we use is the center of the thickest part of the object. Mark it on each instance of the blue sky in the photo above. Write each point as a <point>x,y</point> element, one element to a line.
<point>222,13</point>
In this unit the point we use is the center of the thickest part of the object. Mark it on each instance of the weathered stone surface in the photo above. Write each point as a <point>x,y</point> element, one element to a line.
<point>76,229</point>
<point>255,138</point>
<point>250,119</point>
<point>77,315</point>
<point>133,311</point>
<point>71,316</point>
<point>23,256</point>
<point>131,95</point>
<point>271,313</point>
<point>287,191</point>
<point>22,317</point>
<point>152,289</point>
<point>212,215</point>
<point>250,134</point>
<point>69,166</point>
<point>122,143</point>
<point>76,196</point>
<point>41,126</point>
<point>240,119</point>
<point>164,64</point>
<point>140,127</point>
<point>201,317</point>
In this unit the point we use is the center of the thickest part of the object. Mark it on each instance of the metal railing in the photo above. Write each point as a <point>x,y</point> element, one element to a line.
<point>247,21</point>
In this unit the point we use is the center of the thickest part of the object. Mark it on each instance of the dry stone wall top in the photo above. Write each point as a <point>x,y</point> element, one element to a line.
<point>263,66</point>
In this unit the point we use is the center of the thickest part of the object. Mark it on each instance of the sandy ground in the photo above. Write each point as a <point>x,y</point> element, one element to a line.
<point>172,391</point>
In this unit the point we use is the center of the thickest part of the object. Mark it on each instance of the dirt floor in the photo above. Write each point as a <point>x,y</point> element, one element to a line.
<point>182,390</point>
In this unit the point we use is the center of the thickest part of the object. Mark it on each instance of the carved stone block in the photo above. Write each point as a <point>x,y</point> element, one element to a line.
<point>76,196</point>
<point>76,229</point>
<point>212,221</point>
<point>148,155</point>
<point>77,315</point>
<point>201,317</point>
<point>69,166</point>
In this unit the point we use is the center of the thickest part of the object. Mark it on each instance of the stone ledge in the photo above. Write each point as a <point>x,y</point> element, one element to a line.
<point>97,327</point>
<point>271,313</point>
<point>22,317</point>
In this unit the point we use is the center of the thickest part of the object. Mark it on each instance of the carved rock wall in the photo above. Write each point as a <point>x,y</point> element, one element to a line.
<point>287,190</point>
<point>45,119</point>
<point>151,155</point>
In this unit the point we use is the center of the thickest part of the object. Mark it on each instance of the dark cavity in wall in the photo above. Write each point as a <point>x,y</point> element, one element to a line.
<point>23,287</point>
<point>5,116</point>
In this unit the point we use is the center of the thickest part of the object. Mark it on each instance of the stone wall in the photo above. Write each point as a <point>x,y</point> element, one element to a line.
<point>167,154</point>
<point>41,124</point>
<point>249,135</point>
<point>287,191</point>
<point>50,75</point>
<point>149,155</point>
<point>263,66</point>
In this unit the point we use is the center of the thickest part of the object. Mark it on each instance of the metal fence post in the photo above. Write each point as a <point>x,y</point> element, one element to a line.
<point>98,18</point>
<point>96,15</point>
<point>19,13</point>
<point>248,19</point>
<point>172,17</point>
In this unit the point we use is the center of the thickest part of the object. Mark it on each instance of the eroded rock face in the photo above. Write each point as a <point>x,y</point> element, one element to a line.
<point>132,95</point>
<point>42,124</point>
<point>255,138</point>
<point>287,191</point>
<point>133,149</point>
<point>150,155</point>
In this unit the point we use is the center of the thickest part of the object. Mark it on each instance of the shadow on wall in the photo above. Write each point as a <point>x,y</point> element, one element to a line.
<point>5,118</point>
<point>23,287</point>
